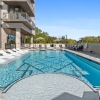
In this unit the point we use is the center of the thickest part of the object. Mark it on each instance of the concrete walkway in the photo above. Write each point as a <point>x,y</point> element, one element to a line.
<point>47,87</point>
<point>92,57</point>
<point>1,95</point>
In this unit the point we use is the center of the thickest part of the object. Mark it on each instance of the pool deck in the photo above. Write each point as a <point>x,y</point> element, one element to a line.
<point>1,95</point>
<point>50,87</point>
<point>92,57</point>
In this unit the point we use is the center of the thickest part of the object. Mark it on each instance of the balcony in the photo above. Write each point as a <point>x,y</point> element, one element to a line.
<point>33,1</point>
<point>25,4</point>
<point>19,18</point>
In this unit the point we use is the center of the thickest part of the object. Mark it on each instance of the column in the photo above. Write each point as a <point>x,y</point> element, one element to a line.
<point>31,37</point>
<point>3,38</point>
<point>0,23</point>
<point>18,38</point>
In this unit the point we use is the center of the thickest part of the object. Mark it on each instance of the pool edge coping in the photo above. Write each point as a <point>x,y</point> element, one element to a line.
<point>93,89</point>
<point>83,55</point>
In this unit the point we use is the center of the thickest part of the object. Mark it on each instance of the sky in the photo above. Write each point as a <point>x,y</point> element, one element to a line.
<point>74,18</point>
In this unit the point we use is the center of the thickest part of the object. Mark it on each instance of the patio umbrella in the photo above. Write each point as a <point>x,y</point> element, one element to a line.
<point>40,38</point>
<point>57,40</point>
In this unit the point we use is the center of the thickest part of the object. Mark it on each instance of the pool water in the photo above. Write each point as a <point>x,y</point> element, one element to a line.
<point>37,62</point>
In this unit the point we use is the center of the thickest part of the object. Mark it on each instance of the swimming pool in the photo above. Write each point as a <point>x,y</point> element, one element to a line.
<point>37,62</point>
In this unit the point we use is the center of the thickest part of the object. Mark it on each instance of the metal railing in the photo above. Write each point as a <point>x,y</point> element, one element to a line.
<point>10,46</point>
<point>28,1</point>
<point>33,24</point>
<point>18,17</point>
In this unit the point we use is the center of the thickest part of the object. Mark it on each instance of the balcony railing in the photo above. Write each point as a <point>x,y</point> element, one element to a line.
<point>18,17</point>
<point>27,5</point>
<point>30,3</point>
<point>33,1</point>
<point>10,46</point>
<point>33,24</point>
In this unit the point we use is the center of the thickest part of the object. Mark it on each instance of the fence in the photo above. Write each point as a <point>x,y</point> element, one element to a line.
<point>10,46</point>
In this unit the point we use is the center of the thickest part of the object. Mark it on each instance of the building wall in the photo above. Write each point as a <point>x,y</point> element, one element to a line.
<point>3,38</point>
<point>16,25</point>
<point>88,47</point>
<point>4,28</point>
<point>94,47</point>
<point>0,23</point>
<point>3,31</point>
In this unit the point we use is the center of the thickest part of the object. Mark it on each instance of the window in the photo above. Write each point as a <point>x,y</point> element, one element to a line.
<point>10,39</point>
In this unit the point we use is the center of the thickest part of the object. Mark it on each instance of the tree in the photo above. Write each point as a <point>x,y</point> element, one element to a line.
<point>45,35</point>
<point>27,38</point>
<point>71,41</point>
<point>90,39</point>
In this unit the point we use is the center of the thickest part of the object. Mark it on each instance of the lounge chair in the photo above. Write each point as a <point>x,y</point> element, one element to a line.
<point>25,51</point>
<point>14,50</point>
<point>19,52</point>
<point>5,55</point>
<point>13,53</point>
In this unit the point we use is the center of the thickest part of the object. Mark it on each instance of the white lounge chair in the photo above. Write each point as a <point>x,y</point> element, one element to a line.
<point>25,51</point>
<point>13,53</point>
<point>19,52</point>
<point>6,55</point>
<point>14,50</point>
